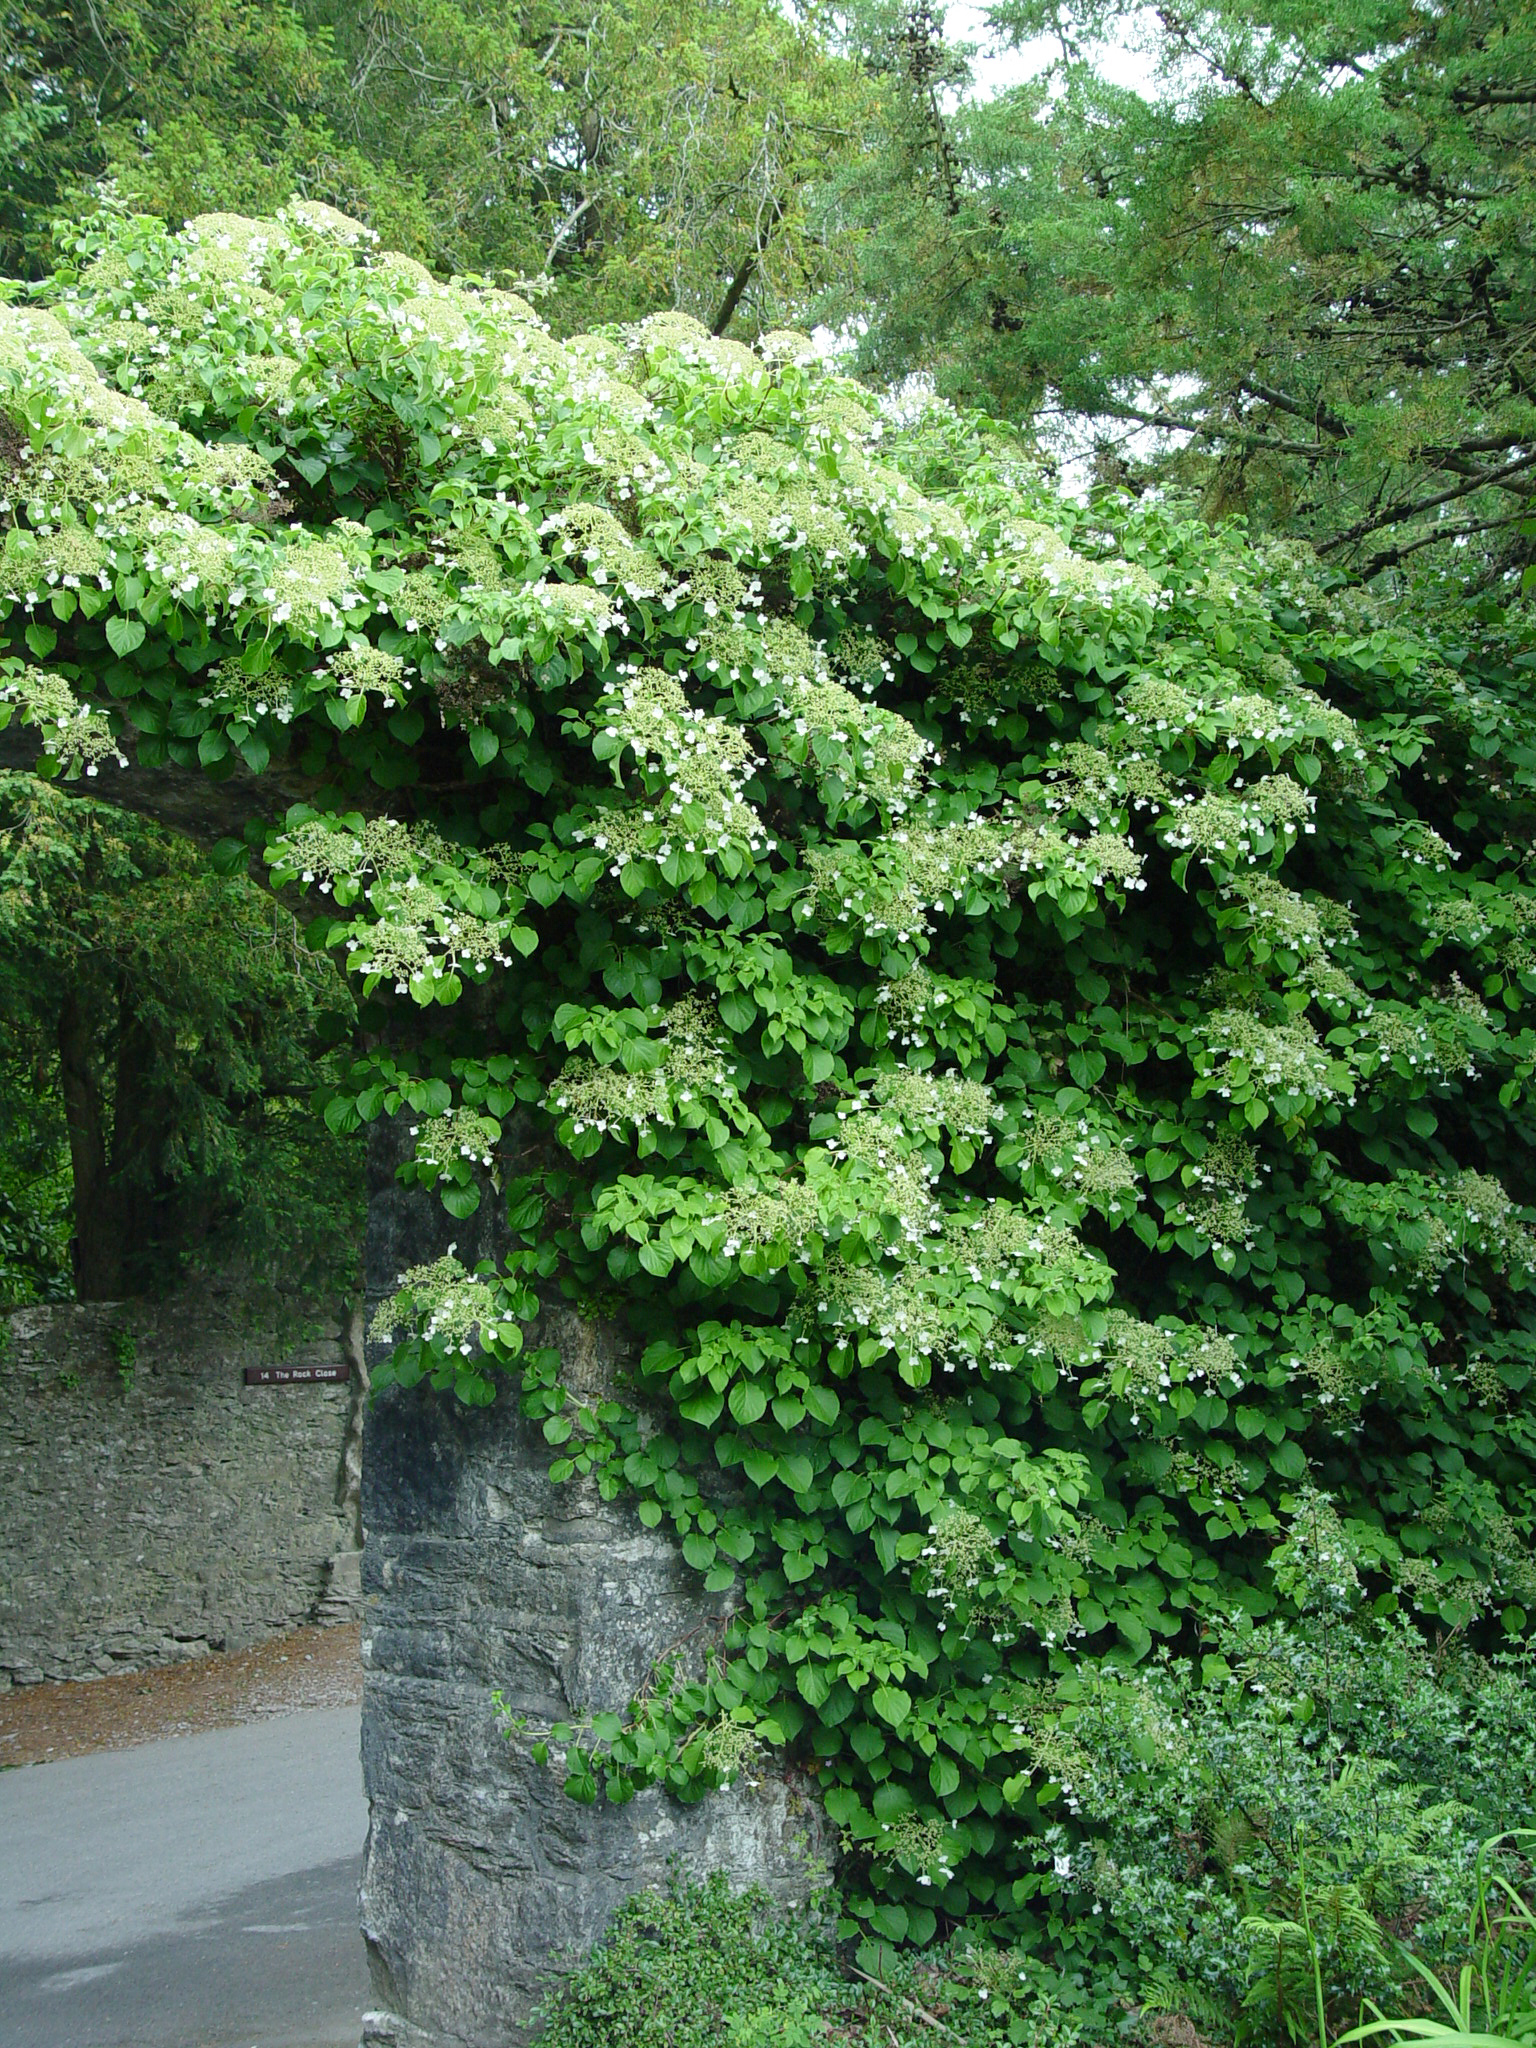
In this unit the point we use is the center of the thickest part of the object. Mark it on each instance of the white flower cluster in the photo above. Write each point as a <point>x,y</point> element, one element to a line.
<point>590,537</point>
<point>1143,1362</point>
<point>690,1082</point>
<point>444,1306</point>
<point>701,808</point>
<point>922,1009</point>
<point>1102,788</point>
<point>1239,826</point>
<point>890,891</point>
<point>362,670</point>
<point>998,1234</point>
<point>1216,1204</point>
<point>1276,1059</point>
<point>1070,1151</point>
<point>73,733</point>
<point>1285,920</point>
<point>458,1135</point>
<point>1034,559</point>
<point>421,940</point>
<point>937,1105</point>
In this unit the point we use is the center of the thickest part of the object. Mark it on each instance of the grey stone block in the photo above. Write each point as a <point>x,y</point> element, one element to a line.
<point>482,1880</point>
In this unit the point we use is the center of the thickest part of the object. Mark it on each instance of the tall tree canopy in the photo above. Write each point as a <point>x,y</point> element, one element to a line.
<point>1305,252</point>
<point>186,104</point>
<point>641,152</point>
<point>1023,1014</point>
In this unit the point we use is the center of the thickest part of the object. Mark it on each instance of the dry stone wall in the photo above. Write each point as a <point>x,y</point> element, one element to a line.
<point>481,1879</point>
<point>161,1509</point>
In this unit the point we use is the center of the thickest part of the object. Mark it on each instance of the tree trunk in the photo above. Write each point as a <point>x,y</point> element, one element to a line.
<point>139,1126</point>
<point>99,1236</point>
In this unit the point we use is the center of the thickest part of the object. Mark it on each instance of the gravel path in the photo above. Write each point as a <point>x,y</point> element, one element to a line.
<point>309,1667</point>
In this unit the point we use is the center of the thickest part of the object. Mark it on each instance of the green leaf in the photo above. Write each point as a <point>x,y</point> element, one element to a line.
<point>748,1402</point>
<point>944,1776</point>
<point>822,1404</point>
<point>124,636</point>
<point>891,1704</point>
<point>760,1466</point>
<point>812,1683</point>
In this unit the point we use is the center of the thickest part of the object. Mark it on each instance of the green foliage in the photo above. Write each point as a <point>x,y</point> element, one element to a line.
<point>1493,1993</point>
<point>35,1220</point>
<point>165,1031</point>
<point>1265,1836</point>
<point>1300,252</point>
<point>699,1966</point>
<point>183,105</point>
<point>690,1968</point>
<point>1022,1013</point>
<point>1253,1845</point>
<point>666,152</point>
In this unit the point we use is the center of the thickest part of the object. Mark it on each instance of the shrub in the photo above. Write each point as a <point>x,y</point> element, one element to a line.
<point>1022,1010</point>
<point>698,1966</point>
<point>1270,1835</point>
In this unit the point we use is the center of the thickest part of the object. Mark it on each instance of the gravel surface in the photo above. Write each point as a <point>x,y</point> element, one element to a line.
<point>309,1667</point>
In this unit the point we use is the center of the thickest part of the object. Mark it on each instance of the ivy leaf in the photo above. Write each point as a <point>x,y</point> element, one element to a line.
<point>890,1919</point>
<point>822,1404</point>
<point>760,1466</point>
<point>1287,1459</point>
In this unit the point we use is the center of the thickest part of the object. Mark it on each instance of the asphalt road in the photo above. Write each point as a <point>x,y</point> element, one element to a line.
<point>197,1893</point>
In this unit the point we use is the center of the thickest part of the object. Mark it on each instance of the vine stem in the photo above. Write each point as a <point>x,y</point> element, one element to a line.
<point>911,2004</point>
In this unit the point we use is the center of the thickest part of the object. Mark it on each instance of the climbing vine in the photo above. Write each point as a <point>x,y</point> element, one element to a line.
<point>1023,1012</point>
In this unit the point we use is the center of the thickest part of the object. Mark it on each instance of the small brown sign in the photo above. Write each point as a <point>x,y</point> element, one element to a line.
<point>294,1375</point>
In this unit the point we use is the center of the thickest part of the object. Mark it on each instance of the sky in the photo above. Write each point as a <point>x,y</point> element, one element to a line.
<point>965,21</point>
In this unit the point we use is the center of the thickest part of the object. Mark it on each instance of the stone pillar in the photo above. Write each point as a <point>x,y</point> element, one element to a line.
<point>481,1878</point>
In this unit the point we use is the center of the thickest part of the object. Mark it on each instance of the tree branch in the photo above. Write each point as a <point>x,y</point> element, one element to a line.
<point>562,233</point>
<point>744,272</point>
<point>1206,430</point>
<point>1495,96</point>
<point>1320,415</point>
<point>1390,557</point>
<point>1409,509</point>
<point>184,800</point>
